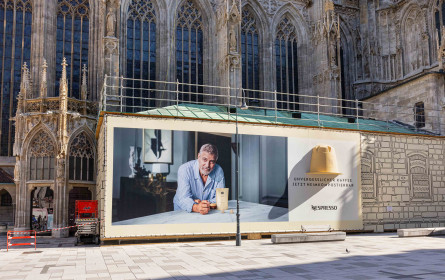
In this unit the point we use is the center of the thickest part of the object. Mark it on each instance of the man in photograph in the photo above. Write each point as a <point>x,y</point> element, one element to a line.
<point>198,180</point>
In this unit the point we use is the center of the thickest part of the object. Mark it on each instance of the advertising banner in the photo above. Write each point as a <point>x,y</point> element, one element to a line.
<point>188,177</point>
<point>170,178</point>
<point>323,180</point>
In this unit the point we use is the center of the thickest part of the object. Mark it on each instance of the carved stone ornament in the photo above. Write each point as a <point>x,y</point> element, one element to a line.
<point>60,168</point>
<point>221,14</point>
<point>111,46</point>
<point>84,88</point>
<point>235,15</point>
<point>233,34</point>
<point>234,61</point>
<point>111,23</point>
<point>44,82</point>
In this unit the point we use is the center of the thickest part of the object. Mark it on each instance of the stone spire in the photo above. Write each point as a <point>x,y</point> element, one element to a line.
<point>63,80</point>
<point>44,80</point>
<point>22,92</point>
<point>63,118</point>
<point>19,122</point>
<point>84,88</point>
<point>25,83</point>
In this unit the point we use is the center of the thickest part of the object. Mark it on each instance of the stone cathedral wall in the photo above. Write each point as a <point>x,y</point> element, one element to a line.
<point>403,182</point>
<point>398,103</point>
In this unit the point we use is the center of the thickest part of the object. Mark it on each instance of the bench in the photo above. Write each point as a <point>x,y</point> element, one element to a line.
<point>308,237</point>
<point>311,228</point>
<point>412,232</point>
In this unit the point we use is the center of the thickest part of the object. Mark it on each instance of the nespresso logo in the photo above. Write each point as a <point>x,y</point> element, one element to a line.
<point>328,208</point>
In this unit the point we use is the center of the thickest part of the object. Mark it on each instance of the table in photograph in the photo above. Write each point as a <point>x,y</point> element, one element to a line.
<point>249,212</point>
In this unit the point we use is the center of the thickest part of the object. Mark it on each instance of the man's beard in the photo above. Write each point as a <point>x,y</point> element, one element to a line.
<point>205,171</point>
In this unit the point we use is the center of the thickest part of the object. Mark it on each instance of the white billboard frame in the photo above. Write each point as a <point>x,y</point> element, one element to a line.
<point>160,230</point>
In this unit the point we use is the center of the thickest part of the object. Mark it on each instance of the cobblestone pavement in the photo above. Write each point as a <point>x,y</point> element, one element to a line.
<point>370,256</point>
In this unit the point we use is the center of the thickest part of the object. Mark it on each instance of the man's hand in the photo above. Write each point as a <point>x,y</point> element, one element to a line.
<point>202,207</point>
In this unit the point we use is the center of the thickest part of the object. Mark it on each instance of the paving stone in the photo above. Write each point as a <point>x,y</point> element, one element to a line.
<point>382,256</point>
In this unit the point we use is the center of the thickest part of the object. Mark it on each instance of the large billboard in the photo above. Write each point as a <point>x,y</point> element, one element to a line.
<point>172,178</point>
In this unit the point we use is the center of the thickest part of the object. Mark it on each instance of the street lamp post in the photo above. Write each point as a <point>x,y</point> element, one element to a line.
<point>238,232</point>
<point>242,107</point>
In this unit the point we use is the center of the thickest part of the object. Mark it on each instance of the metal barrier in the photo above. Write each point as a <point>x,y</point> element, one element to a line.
<point>26,234</point>
<point>127,95</point>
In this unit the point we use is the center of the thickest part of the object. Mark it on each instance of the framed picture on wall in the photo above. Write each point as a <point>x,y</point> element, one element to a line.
<point>158,146</point>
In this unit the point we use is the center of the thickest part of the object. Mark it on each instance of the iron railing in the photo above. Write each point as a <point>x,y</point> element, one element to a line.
<point>127,95</point>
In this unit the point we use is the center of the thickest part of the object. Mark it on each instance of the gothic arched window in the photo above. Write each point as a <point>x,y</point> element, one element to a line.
<point>81,159</point>
<point>141,51</point>
<point>41,161</point>
<point>189,52</point>
<point>72,42</point>
<point>413,40</point>
<point>15,49</point>
<point>439,18</point>
<point>250,56</point>
<point>286,65</point>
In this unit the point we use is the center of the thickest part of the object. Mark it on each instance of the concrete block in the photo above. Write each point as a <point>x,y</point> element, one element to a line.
<point>379,228</point>
<point>411,232</point>
<point>308,237</point>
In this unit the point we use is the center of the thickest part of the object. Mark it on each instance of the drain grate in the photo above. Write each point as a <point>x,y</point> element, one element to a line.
<point>31,252</point>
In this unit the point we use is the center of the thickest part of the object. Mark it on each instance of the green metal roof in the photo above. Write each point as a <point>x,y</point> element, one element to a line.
<point>265,116</point>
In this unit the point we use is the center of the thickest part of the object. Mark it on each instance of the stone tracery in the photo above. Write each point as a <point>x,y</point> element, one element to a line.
<point>189,16</point>
<point>42,145</point>
<point>81,147</point>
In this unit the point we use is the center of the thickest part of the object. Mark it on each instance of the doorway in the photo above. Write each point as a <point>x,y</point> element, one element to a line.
<point>42,205</point>
<point>77,193</point>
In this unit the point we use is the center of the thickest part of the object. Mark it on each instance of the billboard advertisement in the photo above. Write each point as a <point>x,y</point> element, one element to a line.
<point>179,177</point>
<point>172,178</point>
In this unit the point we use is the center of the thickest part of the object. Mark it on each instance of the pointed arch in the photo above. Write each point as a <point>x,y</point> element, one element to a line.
<point>413,23</point>
<point>5,198</point>
<point>15,50</point>
<point>347,62</point>
<point>72,42</point>
<point>294,16</point>
<point>37,129</point>
<point>41,151</point>
<point>81,155</point>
